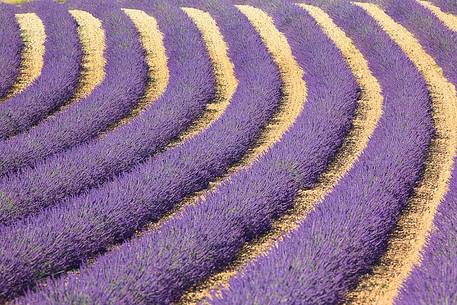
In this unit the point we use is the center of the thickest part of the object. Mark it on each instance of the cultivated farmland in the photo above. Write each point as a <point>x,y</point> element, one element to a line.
<point>228,152</point>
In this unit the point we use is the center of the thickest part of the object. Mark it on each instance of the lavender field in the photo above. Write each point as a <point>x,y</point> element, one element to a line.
<point>228,152</point>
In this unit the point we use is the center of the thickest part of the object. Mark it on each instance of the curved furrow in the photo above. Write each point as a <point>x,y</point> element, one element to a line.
<point>10,49</point>
<point>71,173</point>
<point>225,75</point>
<point>368,113</point>
<point>58,69</point>
<point>346,233</point>
<point>32,55</point>
<point>293,87</point>
<point>92,40</point>
<point>272,132</point>
<point>448,19</point>
<point>435,37</point>
<point>156,57</point>
<point>188,249</point>
<point>126,78</point>
<point>433,281</point>
<point>449,6</point>
<point>114,211</point>
<point>414,225</point>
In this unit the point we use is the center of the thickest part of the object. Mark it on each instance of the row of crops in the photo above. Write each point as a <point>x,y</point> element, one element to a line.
<point>228,152</point>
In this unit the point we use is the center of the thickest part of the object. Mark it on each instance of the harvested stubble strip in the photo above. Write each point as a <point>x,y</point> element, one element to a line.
<point>434,280</point>
<point>408,238</point>
<point>343,236</point>
<point>61,237</point>
<point>123,87</point>
<point>57,80</point>
<point>72,172</point>
<point>10,49</point>
<point>448,19</point>
<point>32,54</point>
<point>187,249</point>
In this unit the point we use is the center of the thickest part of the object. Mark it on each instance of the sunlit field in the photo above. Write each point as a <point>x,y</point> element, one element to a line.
<point>228,152</point>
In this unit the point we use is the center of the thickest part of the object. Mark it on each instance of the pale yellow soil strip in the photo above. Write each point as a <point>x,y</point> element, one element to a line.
<point>226,82</point>
<point>32,56</point>
<point>294,89</point>
<point>14,1</point>
<point>295,93</point>
<point>92,39</point>
<point>448,19</point>
<point>156,58</point>
<point>368,113</point>
<point>408,239</point>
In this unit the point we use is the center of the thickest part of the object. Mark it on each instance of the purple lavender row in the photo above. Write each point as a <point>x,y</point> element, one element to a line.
<point>123,87</point>
<point>10,48</point>
<point>434,281</point>
<point>158,267</point>
<point>59,76</point>
<point>348,232</point>
<point>60,238</point>
<point>438,40</point>
<point>449,6</point>
<point>191,86</point>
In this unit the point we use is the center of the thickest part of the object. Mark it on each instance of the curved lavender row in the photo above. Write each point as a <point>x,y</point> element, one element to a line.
<point>10,48</point>
<point>59,76</point>
<point>192,85</point>
<point>124,85</point>
<point>158,267</point>
<point>348,232</point>
<point>433,282</point>
<point>446,5</point>
<point>61,237</point>
<point>438,40</point>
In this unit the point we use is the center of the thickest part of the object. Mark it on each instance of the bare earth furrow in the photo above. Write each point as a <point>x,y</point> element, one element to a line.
<point>58,77</point>
<point>226,81</point>
<point>72,172</point>
<point>153,188</point>
<point>364,122</point>
<point>433,280</point>
<point>434,36</point>
<point>448,19</point>
<point>228,152</point>
<point>346,233</point>
<point>92,70</point>
<point>126,79</point>
<point>190,247</point>
<point>92,38</point>
<point>33,37</point>
<point>156,58</point>
<point>414,225</point>
<point>449,6</point>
